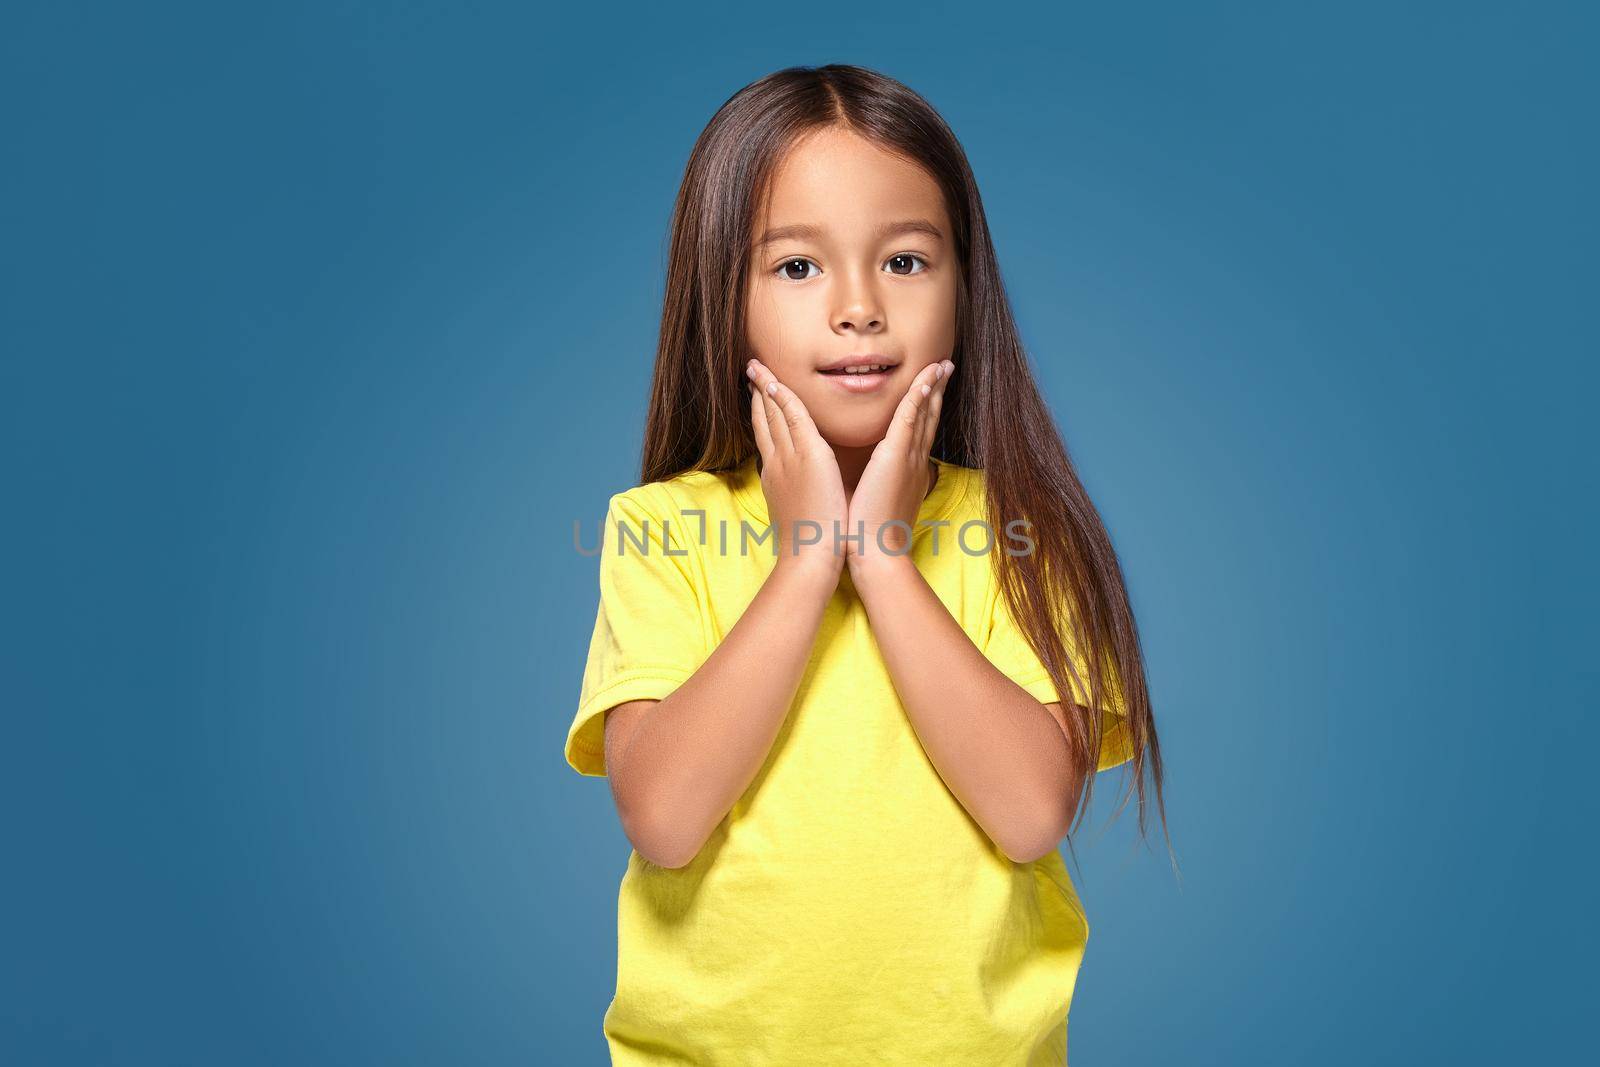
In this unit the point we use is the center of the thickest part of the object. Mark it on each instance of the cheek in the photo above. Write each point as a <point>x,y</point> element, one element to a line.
<point>777,331</point>
<point>764,326</point>
<point>933,314</point>
<point>775,341</point>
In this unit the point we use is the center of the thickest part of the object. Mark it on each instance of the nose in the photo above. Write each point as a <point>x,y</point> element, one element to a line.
<point>858,308</point>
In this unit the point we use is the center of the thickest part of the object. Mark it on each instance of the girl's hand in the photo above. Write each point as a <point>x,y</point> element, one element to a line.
<point>799,472</point>
<point>896,479</point>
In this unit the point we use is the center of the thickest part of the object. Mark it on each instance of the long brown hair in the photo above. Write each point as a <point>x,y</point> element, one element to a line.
<point>992,417</point>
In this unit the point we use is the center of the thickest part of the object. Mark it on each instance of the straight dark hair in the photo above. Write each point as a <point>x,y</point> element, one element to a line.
<point>1068,594</point>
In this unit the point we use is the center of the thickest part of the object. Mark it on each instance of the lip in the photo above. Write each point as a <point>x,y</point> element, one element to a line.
<point>859,359</point>
<point>860,383</point>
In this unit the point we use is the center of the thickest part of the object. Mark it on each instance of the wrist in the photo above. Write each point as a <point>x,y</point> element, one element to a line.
<point>817,566</point>
<point>876,566</point>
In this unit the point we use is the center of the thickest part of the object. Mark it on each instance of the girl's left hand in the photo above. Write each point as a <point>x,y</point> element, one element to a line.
<point>896,478</point>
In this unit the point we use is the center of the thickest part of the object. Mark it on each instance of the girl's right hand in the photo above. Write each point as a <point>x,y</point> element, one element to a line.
<point>799,472</point>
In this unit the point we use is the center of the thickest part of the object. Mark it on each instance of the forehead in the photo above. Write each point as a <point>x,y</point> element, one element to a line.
<point>846,185</point>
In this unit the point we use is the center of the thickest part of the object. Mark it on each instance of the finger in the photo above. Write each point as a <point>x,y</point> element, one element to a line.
<point>902,428</point>
<point>758,423</point>
<point>935,406</point>
<point>777,425</point>
<point>803,432</point>
<point>920,430</point>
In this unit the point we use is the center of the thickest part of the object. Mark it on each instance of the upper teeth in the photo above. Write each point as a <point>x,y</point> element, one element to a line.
<point>865,369</point>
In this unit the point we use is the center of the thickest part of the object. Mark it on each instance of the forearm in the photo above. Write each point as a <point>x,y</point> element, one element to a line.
<point>698,749</point>
<point>1000,752</point>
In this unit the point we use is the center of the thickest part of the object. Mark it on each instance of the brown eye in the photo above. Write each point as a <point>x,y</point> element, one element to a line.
<point>908,256</point>
<point>801,263</point>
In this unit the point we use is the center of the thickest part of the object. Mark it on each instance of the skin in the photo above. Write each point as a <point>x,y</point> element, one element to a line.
<point>678,765</point>
<point>853,291</point>
<point>851,288</point>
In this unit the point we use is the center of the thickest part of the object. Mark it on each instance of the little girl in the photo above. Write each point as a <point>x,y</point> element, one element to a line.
<point>862,639</point>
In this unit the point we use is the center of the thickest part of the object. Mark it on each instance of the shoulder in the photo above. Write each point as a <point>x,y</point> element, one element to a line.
<point>968,501</point>
<point>979,539</point>
<point>692,498</point>
<point>1012,529</point>
<point>682,492</point>
<point>974,485</point>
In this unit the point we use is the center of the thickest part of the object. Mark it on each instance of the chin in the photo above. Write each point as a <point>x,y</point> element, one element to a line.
<point>854,432</point>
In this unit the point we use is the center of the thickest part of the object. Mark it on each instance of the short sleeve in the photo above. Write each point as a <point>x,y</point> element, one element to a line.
<point>1006,646</point>
<point>647,632</point>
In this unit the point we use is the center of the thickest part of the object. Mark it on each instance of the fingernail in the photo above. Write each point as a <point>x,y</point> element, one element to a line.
<point>772,387</point>
<point>926,389</point>
<point>938,371</point>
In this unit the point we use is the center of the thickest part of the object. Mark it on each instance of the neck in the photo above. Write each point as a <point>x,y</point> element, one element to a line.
<point>852,462</point>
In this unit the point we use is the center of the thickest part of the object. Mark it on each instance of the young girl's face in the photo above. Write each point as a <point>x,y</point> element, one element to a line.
<point>853,256</point>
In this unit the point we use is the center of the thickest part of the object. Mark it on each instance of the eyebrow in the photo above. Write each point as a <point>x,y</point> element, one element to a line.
<point>803,232</point>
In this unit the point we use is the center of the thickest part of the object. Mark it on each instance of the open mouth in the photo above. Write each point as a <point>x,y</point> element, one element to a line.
<point>876,368</point>
<point>861,379</point>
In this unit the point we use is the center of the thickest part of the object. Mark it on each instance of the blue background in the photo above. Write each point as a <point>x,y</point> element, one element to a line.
<point>324,322</point>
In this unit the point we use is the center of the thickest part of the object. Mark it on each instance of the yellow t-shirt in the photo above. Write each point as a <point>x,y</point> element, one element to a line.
<point>847,910</point>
